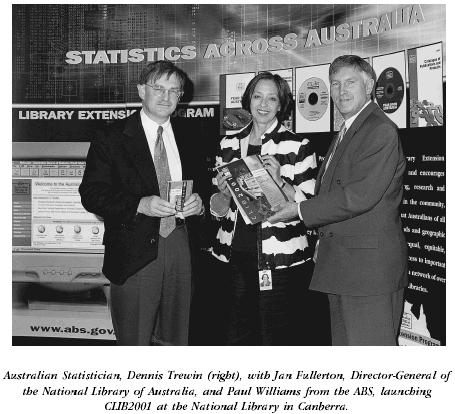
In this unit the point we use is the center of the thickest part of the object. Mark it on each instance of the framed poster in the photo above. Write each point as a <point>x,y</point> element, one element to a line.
<point>425,66</point>
<point>232,116</point>
<point>288,76</point>
<point>390,88</point>
<point>312,99</point>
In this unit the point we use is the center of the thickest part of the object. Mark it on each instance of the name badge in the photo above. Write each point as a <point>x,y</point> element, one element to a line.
<point>265,280</point>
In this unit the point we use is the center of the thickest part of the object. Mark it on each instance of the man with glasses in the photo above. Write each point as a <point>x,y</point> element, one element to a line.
<point>147,251</point>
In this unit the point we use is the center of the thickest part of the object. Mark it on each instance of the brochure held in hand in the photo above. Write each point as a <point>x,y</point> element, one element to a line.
<point>253,189</point>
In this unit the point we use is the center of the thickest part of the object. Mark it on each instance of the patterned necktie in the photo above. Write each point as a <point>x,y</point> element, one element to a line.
<point>337,142</point>
<point>167,224</point>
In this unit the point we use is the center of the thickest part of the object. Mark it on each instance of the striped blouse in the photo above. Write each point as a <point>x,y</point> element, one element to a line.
<point>283,244</point>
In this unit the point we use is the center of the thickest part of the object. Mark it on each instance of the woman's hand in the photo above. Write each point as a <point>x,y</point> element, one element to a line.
<point>273,167</point>
<point>219,203</point>
<point>222,186</point>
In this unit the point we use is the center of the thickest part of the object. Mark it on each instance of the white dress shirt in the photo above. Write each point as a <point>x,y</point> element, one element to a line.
<point>351,120</point>
<point>173,157</point>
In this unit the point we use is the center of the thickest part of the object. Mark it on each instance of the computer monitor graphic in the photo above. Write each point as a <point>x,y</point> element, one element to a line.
<point>55,241</point>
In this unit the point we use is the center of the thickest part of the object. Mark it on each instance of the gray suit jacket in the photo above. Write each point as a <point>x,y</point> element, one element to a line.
<point>362,248</point>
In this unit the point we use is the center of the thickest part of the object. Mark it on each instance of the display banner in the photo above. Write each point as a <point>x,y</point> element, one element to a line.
<point>75,69</point>
<point>79,123</point>
<point>64,123</point>
<point>287,75</point>
<point>425,66</point>
<point>232,116</point>
<point>423,214</point>
<point>312,101</point>
<point>94,53</point>
<point>390,88</point>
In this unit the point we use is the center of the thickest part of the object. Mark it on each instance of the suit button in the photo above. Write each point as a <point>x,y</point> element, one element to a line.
<point>330,234</point>
<point>321,234</point>
<point>152,241</point>
<point>338,182</point>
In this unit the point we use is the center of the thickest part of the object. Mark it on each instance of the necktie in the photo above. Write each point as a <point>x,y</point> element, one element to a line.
<point>167,224</point>
<point>337,142</point>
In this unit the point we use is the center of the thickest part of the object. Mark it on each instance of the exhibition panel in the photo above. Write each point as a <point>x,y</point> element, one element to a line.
<point>76,69</point>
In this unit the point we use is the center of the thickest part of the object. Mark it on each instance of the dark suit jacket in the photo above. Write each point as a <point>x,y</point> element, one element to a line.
<point>119,172</point>
<point>362,249</point>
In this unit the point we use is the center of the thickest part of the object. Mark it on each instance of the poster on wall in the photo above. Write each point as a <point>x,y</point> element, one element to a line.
<point>288,76</point>
<point>423,216</point>
<point>425,66</point>
<point>312,99</point>
<point>232,116</point>
<point>390,88</point>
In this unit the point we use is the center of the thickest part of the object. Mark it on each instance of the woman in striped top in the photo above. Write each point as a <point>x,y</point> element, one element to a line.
<point>264,317</point>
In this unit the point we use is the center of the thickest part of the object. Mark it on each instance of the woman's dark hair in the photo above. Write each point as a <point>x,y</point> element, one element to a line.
<point>284,93</point>
<point>155,70</point>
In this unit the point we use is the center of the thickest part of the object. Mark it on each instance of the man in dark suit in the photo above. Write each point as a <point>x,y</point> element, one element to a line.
<point>361,252</point>
<point>147,251</point>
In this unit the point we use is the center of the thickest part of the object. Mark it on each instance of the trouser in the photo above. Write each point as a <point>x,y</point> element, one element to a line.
<point>281,316</point>
<point>366,320</point>
<point>153,304</point>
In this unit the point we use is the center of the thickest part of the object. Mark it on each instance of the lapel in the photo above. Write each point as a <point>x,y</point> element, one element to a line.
<point>244,140</point>
<point>135,142</point>
<point>341,148</point>
<point>269,139</point>
<point>322,168</point>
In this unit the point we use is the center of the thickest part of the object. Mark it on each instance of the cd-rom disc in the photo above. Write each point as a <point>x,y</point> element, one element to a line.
<point>313,99</point>
<point>389,90</point>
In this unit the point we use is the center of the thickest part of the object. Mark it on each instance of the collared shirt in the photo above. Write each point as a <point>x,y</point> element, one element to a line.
<point>173,157</point>
<point>348,124</point>
<point>351,120</point>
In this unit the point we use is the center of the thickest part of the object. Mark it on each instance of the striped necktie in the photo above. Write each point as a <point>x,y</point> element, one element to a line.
<point>167,224</point>
<point>337,142</point>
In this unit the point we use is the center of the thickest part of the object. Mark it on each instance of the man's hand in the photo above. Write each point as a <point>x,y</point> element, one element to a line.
<point>285,212</point>
<point>192,206</point>
<point>155,206</point>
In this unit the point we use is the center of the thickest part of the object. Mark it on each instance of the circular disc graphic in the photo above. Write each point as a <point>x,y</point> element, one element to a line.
<point>313,99</point>
<point>389,90</point>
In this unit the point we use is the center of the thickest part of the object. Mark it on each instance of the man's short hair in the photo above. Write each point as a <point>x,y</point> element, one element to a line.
<point>284,93</point>
<point>155,70</point>
<point>355,62</point>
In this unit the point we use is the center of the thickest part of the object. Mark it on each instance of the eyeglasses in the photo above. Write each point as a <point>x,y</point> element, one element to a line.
<point>159,91</point>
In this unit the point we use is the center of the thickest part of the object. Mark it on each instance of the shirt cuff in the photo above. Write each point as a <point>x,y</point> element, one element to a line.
<point>299,196</point>
<point>298,209</point>
<point>213,212</point>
